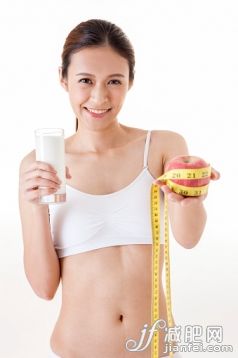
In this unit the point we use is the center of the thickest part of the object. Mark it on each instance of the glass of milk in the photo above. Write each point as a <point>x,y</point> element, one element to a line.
<point>50,149</point>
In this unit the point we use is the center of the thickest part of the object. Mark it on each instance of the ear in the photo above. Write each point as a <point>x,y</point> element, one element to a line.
<point>63,81</point>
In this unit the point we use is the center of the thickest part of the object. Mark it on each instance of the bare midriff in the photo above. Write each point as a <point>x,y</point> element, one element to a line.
<point>106,300</point>
<point>106,292</point>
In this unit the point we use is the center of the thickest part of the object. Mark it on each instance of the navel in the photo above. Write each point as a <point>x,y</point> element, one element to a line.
<point>121,318</point>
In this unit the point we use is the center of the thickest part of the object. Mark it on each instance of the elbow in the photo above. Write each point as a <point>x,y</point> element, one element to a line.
<point>45,283</point>
<point>44,290</point>
<point>46,294</point>
<point>189,243</point>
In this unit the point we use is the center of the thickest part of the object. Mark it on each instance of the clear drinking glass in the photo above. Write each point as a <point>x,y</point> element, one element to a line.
<point>50,149</point>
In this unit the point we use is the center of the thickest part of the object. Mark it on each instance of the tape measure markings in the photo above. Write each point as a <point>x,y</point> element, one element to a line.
<point>196,173</point>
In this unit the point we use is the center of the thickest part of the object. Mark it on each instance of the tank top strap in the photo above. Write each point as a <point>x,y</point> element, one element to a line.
<point>146,151</point>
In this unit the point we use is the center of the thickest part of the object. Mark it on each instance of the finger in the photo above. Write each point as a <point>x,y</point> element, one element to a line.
<point>39,174</point>
<point>193,200</point>
<point>175,197</point>
<point>186,200</point>
<point>170,193</point>
<point>159,182</point>
<point>40,182</point>
<point>34,195</point>
<point>162,186</point>
<point>166,189</point>
<point>215,175</point>
<point>40,178</point>
<point>41,165</point>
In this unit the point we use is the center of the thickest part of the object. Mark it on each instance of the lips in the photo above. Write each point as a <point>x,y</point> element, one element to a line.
<point>97,113</point>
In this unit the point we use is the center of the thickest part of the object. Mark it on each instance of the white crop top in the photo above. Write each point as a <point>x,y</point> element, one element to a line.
<point>87,222</point>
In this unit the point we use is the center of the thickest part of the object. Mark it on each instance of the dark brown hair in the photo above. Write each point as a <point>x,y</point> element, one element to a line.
<point>96,32</point>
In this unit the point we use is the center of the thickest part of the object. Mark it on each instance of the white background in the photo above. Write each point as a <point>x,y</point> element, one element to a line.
<point>186,81</point>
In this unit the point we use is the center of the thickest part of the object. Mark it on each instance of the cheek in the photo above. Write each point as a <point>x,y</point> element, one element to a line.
<point>78,96</point>
<point>119,95</point>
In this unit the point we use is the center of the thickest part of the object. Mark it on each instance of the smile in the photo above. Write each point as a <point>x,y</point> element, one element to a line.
<point>97,111</point>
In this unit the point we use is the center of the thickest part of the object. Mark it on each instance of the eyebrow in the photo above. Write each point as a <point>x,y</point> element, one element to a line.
<point>90,74</point>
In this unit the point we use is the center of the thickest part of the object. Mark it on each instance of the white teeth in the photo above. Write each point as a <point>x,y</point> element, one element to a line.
<point>97,111</point>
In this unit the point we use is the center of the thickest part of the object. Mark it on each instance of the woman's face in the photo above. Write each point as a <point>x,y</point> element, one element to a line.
<point>97,83</point>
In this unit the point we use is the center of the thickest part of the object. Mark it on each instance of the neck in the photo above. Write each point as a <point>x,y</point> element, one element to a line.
<point>99,140</point>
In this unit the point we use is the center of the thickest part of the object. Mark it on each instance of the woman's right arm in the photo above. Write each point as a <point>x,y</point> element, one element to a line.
<point>41,263</point>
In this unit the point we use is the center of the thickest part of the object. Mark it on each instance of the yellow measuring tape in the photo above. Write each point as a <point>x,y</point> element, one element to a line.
<point>155,221</point>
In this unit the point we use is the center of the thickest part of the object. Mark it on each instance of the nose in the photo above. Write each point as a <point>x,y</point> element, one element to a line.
<point>99,94</point>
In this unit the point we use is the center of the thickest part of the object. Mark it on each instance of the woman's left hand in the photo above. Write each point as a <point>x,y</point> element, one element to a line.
<point>185,200</point>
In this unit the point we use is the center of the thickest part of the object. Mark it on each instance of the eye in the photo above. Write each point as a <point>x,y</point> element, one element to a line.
<point>115,82</point>
<point>85,80</point>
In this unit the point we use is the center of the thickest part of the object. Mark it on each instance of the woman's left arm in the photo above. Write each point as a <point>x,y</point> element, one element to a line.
<point>187,214</point>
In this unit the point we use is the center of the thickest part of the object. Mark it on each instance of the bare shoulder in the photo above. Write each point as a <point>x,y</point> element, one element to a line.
<point>171,143</point>
<point>27,159</point>
<point>167,136</point>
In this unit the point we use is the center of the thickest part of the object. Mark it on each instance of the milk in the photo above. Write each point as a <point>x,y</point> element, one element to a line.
<point>50,149</point>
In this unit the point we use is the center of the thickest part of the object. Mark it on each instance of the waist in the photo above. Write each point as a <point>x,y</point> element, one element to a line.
<point>108,288</point>
<point>107,329</point>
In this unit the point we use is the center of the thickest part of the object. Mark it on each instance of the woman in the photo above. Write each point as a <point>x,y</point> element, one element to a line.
<point>98,243</point>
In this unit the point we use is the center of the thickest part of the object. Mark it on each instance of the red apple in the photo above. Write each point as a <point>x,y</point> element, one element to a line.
<point>188,162</point>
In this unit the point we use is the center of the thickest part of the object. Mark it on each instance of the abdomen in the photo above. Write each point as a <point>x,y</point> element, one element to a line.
<point>106,300</point>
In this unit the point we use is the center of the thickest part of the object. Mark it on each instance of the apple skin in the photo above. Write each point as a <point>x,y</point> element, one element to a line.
<point>188,162</point>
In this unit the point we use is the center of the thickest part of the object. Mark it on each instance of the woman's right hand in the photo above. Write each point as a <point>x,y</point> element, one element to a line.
<point>39,174</point>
